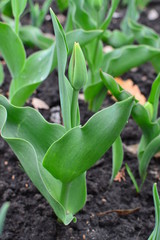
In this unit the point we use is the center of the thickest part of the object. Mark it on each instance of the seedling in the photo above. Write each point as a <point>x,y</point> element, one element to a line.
<point>145,117</point>
<point>54,156</point>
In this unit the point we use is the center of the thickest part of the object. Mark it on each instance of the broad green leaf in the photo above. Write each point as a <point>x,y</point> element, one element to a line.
<point>18,7</point>
<point>89,142</point>
<point>116,38</point>
<point>81,36</point>
<point>144,35</point>
<point>117,157</point>
<point>33,36</point>
<point>1,74</point>
<point>128,57</point>
<point>36,69</point>
<point>11,49</point>
<point>80,16</point>
<point>20,130</point>
<point>3,212</point>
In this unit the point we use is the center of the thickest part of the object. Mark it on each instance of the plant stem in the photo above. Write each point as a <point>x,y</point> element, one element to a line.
<point>74,108</point>
<point>17,25</point>
<point>64,194</point>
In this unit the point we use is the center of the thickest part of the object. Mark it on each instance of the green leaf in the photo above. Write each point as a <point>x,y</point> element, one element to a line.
<point>145,155</point>
<point>156,232</point>
<point>154,96</point>
<point>1,74</point>
<point>61,46</point>
<point>117,157</point>
<point>132,178</point>
<point>36,69</point>
<point>65,164</point>
<point>18,7</point>
<point>11,49</point>
<point>133,14</point>
<point>114,5</point>
<point>20,130</point>
<point>80,16</point>
<point>33,36</point>
<point>144,35</point>
<point>128,57</point>
<point>62,4</point>
<point>116,38</point>
<point>3,212</point>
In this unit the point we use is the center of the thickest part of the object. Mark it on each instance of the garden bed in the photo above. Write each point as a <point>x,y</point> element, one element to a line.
<point>30,217</point>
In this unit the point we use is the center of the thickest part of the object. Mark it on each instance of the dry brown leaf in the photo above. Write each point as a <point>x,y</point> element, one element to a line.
<point>132,88</point>
<point>39,104</point>
<point>120,175</point>
<point>131,148</point>
<point>120,212</point>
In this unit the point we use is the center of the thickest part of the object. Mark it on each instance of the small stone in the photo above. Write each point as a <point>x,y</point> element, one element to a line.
<point>117,15</point>
<point>55,115</point>
<point>47,17</point>
<point>5,163</point>
<point>13,177</point>
<point>134,69</point>
<point>153,15</point>
<point>26,185</point>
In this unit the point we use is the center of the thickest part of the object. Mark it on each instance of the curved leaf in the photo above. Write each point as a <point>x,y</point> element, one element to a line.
<point>127,57</point>
<point>3,212</point>
<point>11,49</point>
<point>36,69</point>
<point>117,157</point>
<point>89,142</point>
<point>18,7</point>
<point>20,130</point>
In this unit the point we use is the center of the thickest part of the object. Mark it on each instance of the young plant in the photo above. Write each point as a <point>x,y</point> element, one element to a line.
<point>38,14</point>
<point>145,117</point>
<point>28,73</point>
<point>156,232</point>
<point>56,157</point>
<point>3,212</point>
<point>78,17</point>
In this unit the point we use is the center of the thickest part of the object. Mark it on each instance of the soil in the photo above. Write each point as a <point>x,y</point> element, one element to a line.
<point>30,217</point>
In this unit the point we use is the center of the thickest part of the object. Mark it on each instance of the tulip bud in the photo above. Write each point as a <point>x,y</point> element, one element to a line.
<point>77,68</point>
<point>97,4</point>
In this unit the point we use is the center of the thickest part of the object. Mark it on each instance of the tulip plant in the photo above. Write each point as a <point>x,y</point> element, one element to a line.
<point>54,156</point>
<point>146,118</point>
<point>28,73</point>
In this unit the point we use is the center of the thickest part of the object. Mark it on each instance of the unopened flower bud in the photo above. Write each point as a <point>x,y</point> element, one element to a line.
<point>77,68</point>
<point>97,4</point>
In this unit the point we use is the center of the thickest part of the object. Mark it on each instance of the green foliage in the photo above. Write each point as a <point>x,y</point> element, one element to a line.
<point>62,4</point>
<point>3,212</point>
<point>57,165</point>
<point>37,14</point>
<point>145,117</point>
<point>1,74</point>
<point>156,232</point>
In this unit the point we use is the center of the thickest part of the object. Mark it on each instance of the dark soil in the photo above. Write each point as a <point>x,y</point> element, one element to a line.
<point>31,218</point>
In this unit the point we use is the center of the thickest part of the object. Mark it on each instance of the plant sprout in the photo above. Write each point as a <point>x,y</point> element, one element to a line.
<point>146,118</point>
